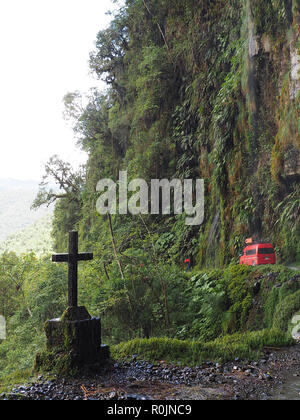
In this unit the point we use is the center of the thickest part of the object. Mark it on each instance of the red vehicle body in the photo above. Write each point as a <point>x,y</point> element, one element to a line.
<point>258,254</point>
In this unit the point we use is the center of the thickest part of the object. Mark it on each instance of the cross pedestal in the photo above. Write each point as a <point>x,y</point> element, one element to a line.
<point>74,340</point>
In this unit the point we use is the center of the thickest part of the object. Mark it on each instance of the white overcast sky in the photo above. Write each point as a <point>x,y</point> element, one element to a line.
<point>44,47</point>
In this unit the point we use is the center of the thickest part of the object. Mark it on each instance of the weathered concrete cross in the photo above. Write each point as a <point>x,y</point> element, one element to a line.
<point>72,259</point>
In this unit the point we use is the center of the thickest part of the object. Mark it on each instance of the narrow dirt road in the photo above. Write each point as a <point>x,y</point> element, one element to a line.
<point>275,376</point>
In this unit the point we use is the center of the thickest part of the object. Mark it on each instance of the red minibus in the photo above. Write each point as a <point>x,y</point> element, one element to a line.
<point>258,254</point>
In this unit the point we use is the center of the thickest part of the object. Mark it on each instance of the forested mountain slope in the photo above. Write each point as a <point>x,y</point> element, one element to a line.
<point>16,198</point>
<point>34,238</point>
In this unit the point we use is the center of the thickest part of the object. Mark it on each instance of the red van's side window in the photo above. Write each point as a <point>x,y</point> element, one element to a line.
<point>265,250</point>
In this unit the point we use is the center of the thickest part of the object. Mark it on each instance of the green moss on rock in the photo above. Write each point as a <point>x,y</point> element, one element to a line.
<point>73,343</point>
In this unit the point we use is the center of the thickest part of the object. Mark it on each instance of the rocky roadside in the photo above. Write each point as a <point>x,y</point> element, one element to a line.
<point>139,380</point>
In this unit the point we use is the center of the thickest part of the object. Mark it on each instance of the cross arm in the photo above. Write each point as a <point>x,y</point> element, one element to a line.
<point>60,258</point>
<point>86,256</point>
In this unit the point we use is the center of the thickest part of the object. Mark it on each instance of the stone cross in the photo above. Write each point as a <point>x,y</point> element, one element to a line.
<point>72,259</point>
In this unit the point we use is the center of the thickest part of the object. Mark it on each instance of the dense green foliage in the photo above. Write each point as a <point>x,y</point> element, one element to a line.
<point>217,315</point>
<point>32,291</point>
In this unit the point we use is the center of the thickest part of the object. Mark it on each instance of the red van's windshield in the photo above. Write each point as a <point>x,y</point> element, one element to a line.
<point>251,252</point>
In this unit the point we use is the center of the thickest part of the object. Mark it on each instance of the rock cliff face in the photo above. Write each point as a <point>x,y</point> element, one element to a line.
<point>263,166</point>
<point>202,89</point>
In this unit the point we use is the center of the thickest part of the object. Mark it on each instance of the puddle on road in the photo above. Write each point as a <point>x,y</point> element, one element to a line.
<point>290,390</point>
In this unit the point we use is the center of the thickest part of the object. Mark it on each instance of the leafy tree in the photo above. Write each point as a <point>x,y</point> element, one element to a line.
<point>68,182</point>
